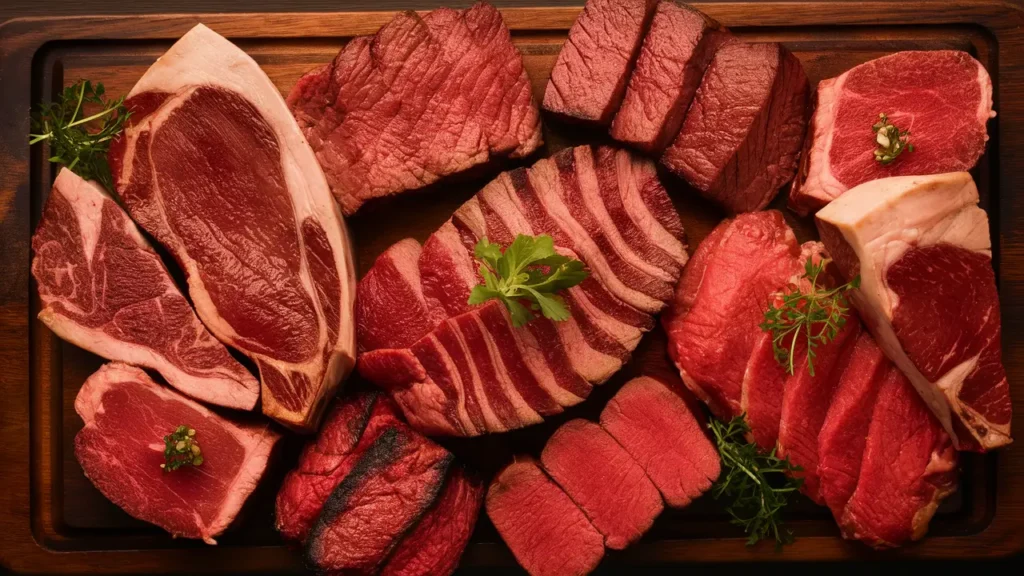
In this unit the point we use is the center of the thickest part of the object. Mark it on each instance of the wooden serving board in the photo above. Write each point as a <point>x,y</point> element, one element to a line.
<point>52,520</point>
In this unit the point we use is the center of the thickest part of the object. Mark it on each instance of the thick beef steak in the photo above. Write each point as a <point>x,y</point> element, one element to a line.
<point>943,97</point>
<point>425,97</point>
<point>922,248</point>
<point>104,288</point>
<point>213,165</point>
<point>121,449</point>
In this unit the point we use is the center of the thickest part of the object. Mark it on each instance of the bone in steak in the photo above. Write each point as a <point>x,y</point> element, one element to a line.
<point>922,248</point>
<point>589,79</point>
<point>675,53</point>
<point>425,97</point>
<point>121,449</point>
<point>103,288</point>
<point>464,370</point>
<point>943,97</point>
<point>741,137</point>
<point>213,165</point>
<point>546,531</point>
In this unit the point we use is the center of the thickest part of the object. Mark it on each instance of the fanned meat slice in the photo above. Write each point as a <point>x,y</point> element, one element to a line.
<point>121,449</point>
<point>212,164</point>
<point>103,288</point>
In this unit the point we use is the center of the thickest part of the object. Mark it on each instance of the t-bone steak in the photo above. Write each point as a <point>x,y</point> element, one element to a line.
<point>426,97</point>
<point>121,449</point>
<point>213,165</point>
<point>103,288</point>
<point>943,97</point>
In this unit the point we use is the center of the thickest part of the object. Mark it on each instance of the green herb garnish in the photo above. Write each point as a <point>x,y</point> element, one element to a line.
<point>891,140</point>
<point>181,449</point>
<point>807,320</point>
<point>78,141</point>
<point>526,277</point>
<point>758,484</point>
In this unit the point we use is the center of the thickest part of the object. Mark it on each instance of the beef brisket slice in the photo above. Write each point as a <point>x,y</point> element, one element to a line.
<point>603,480</point>
<point>675,53</point>
<point>741,137</point>
<point>424,98</point>
<point>546,531</point>
<point>665,436</point>
<point>395,482</point>
<point>125,412</point>
<point>434,546</point>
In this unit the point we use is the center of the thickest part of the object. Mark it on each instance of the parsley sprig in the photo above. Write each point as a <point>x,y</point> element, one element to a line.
<point>806,320</point>
<point>181,449</point>
<point>891,140</point>
<point>758,484</point>
<point>526,277</point>
<point>77,140</point>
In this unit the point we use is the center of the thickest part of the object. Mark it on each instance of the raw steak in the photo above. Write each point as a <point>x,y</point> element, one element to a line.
<point>741,138</point>
<point>121,449</point>
<point>944,97</point>
<point>664,432</point>
<point>103,288</point>
<point>589,79</point>
<point>909,465</point>
<point>675,53</point>
<point>546,532</point>
<point>213,166</point>
<point>423,98</point>
<point>606,482</point>
<point>922,248</point>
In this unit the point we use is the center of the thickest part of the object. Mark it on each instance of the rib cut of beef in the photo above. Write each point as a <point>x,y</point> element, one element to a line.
<point>546,531</point>
<point>120,449</point>
<point>425,97</point>
<point>465,370</point>
<point>675,53</point>
<point>212,164</point>
<point>589,79</point>
<point>103,288</point>
<point>922,248</point>
<point>943,97</point>
<point>741,137</point>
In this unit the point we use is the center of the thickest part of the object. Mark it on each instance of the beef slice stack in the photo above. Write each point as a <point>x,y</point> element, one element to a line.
<point>456,369</point>
<point>372,496</point>
<point>832,422</point>
<point>727,116</point>
<point>426,97</point>
<point>603,485</point>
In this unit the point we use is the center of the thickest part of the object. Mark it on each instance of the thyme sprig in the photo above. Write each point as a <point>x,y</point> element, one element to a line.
<point>891,140</point>
<point>181,449</point>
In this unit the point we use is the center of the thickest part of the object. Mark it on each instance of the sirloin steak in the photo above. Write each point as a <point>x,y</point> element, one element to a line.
<point>103,288</point>
<point>426,97</point>
<point>212,164</point>
<point>943,97</point>
<point>121,449</point>
<point>922,248</point>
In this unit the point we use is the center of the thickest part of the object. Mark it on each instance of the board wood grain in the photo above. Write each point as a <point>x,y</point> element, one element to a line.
<point>53,521</point>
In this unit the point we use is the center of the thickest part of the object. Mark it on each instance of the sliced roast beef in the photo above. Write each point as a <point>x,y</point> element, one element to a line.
<point>602,478</point>
<point>845,431</point>
<point>546,531</point>
<point>943,97</point>
<point>212,164</point>
<point>394,483</point>
<point>434,546</point>
<point>720,301</point>
<point>426,97</point>
<point>741,138</point>
<point>664,432</point>
<point>909,465</point>
<point>922,248</point>
<point>348,431</point>
<point>675,53</point>
<point>589,79</point>
<point>120,449</point>
<point>104,288</point>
